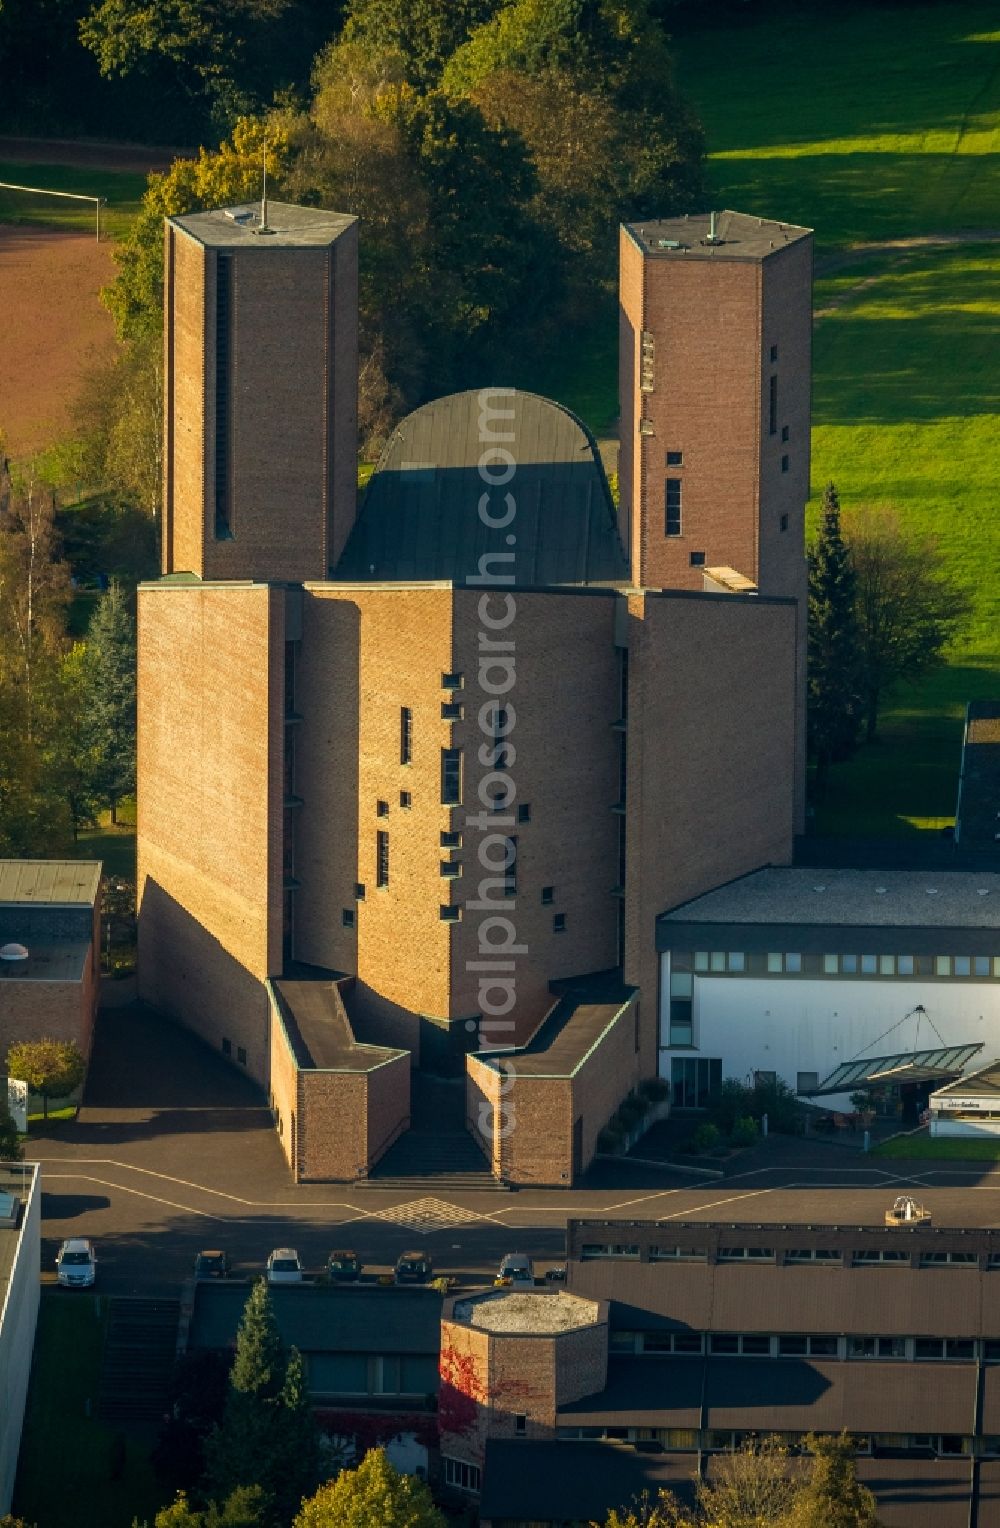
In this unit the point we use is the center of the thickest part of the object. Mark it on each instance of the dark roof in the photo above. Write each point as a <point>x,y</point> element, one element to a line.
<point>420,518</point>
<point>976,821</point>
<point>738,236</point>
<point>779,1394</point>
<point>318,1318</point>
<point>290,226</point>
<point>319,1030</point>
<point>565,1039</point>
<point>906,1066</point>
<point>574,1482</point>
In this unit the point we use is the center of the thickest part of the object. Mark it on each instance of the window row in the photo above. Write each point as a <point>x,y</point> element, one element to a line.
<point>806,1345</point>
<point>688,1439</point>
<point>794,963</point>
<point>371,1374</point>
<point>860,1257</point>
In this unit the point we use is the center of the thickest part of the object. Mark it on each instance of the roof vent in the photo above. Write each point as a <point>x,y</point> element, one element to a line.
<point>669,244</point>
<point>819,888</point>
<point>712,237</point>
<point>13,952</point>
<point>932,891</point>
<point>240,215</point>
<point>983,891</point>
<point>880,891</point>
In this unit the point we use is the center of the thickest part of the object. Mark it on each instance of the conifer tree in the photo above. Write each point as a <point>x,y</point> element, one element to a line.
<point>295,1450</point>
<point>111,696</point>
<point>834,684</point>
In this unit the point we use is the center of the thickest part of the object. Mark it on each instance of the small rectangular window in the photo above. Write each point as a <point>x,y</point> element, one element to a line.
<point>452,681</point>
<point>942,965</point>
<point>697,559</point>
<point>772,407</point>
<point>831,965</point>
<point>227,1047</point>
<point>405,735</point>
<point>381,859</point>
<point>524,812</point>
<point>904,965</point>
<point>451,711</point>
<point>559,923</point>
<point>869,965</point>
<point>981,965</point>
<point>784,432</point>
<point>451,776</point>
<point>675,458</point>
<point>717,960</point>
<point>789,1347</point>
<point>756,1344</point>
<point>963,965</point>
<point>784,463</point>
<point>381,808</point>
<point>241,1055</point>
<point>849,965</point>
<point>737,960</point>
<point>774,962</point>
<point>449,914</point>
<point>510,872</point>
<point>347,917</point>
<point>724,1342</point>
<point>451,840</point>
<point>887,965</point>
<point>520,1422</point>
<point>451,869</point>
<point>774,354</point>
<point>548,895</point>
<point>928,1347</point>
<point>701,960</point>
<point>793,963</point>
<point>359,890</point>
<point>806,1081</point>
<point>783,523</point>
<point>672,507</point>
<point>405,800</point>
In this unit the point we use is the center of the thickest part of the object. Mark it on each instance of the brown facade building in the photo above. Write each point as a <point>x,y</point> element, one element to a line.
<point>415,785</point>
<point>50,951</point>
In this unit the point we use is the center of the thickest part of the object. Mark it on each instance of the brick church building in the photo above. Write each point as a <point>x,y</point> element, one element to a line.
<point>417,775</point>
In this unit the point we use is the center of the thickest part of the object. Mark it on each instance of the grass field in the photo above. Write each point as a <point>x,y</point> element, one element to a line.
<point>68,1456</point>
<point>919,1148</point>
<point>122,190</point>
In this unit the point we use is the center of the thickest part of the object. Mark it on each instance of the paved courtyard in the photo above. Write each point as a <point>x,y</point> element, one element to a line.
<point>174,1150</point>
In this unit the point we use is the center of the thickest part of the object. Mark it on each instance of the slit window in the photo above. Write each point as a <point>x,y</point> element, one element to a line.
<point>672,506</point>
<point>382,859</point>
<point>772,407</point>
<point>223,302</point>
<point>405,735</point>
<point>451,776</point>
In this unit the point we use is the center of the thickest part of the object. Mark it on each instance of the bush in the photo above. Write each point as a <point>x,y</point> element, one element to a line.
<point>745,1132</point>
<point>655,1089</point>
<point>706,1137</point>
<point>610,1138</point>
<point>630,1111</point>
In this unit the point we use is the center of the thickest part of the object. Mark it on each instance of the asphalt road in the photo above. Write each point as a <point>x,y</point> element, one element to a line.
<point>173,1151</point>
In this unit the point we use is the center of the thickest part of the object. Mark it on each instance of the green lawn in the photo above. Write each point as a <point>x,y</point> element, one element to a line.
<point>66,1465</point>
<point>122,189</point>
<point>115,845</point>
<point>916,1148</point>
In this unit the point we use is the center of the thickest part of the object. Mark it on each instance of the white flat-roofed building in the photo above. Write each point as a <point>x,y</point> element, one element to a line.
<point>20,1251</point>
<point>968,1106</point>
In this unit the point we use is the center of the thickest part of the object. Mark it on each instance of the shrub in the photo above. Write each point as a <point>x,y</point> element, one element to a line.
<point>655,1089</point>
<point>745,1132</point>
<point>630,1111</point>
<point>610,1138</point>
<point>706,1137</point>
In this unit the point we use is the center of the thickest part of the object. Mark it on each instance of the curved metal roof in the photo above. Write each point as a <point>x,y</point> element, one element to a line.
<point>424,515</point>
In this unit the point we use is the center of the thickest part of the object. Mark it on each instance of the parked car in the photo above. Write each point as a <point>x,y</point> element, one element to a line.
<point>284,1266</point>
<point>343,1267</point>
<point>414,1268</point>
<point>76,1263</point>
<point>516,1268</point>
<point>211,1265</point>
<point>556,1275</point>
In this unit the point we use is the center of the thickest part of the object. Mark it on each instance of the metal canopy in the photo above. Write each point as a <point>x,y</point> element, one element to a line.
<point>907,1066</point>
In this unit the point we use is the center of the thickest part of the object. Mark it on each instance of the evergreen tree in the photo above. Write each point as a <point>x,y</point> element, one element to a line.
<point>834,684</point>
<point>295,1450</point>
<point>832,1496</point>
<point>111,697</point>
<point>375,1492</point>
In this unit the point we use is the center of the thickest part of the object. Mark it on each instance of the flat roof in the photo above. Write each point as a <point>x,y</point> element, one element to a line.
<point>984,1081</point>
<point>526,1311</point>
<point>738,236</point>
<point>57,882</point>
<point>323,1318</point>
<point>49,960</point>
<point>977,814</point>
<point>564,1040</point>
<point>882,898</point>
<point>320,1030</point>
<point>238,227</point>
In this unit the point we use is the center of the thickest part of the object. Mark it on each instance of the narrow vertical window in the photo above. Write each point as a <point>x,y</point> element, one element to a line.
<point>451,776</point>
<point>382,858</point>
<point>223,296</point>
<point>672,504</point>
<point>772,407</point>
<point>510,872</point>
<point>405,735</point>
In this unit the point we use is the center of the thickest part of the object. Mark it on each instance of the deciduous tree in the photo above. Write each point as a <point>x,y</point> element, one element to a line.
<point>51,1068</point>
<point>832,1496</point>
<point>375,1492</point>
<point>909,611</point>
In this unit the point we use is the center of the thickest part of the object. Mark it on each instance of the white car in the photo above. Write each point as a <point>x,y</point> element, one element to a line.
<point>284,1267</point>
<point>76,1263</point>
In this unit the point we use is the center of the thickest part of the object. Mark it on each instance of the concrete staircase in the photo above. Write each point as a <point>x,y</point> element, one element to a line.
<point>139,1353</point>
<point>437,1154</point>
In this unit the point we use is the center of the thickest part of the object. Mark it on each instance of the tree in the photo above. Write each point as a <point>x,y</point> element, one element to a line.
<point>295,1450</point>
<point>246,1507</point>
<point>110,679</point>
<point>423,33</point>
<point>834,646</point>
<point>375,1492</point>
<point>11,1150</point>
<point>51,1068</point>
<point>831,1496</point>
<point>661,1511</point>
<point>751,1488</point>
<point>908,610</point>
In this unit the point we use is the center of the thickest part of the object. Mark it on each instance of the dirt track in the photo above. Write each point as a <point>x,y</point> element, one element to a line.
<point>53,329</point>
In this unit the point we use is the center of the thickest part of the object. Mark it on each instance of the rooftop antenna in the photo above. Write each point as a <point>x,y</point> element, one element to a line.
<point>712,236</point>
<point>263,200</point>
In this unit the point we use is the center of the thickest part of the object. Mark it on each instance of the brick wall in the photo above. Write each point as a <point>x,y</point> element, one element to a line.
<point>42,1010</point>
<point>209,808</point>
<point>711,744</point>
<point>185,486</point>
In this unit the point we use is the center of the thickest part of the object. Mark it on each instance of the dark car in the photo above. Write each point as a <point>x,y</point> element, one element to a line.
<point>343,1267</point>
<point>211,1265</point>
<point>414,1268</point>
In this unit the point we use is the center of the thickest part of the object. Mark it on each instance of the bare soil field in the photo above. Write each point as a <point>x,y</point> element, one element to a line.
<point>84,155</point>
<point>53,329</point>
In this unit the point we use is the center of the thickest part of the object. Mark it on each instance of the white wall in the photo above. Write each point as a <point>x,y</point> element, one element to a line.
<point>791,1024</point>
<point>18,1315</point>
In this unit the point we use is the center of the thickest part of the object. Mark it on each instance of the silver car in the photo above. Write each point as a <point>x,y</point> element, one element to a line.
<point>284,1266</point>
<point>76,1263</point>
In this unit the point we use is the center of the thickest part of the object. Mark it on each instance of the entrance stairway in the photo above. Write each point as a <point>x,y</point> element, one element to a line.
<point>139,1354</point>
<point>437,1154</point>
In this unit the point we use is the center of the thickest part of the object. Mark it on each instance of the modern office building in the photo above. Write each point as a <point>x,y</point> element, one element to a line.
<point>417,782</point>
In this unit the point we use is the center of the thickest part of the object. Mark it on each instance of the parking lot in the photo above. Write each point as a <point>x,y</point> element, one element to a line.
<point>174,1151</point>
